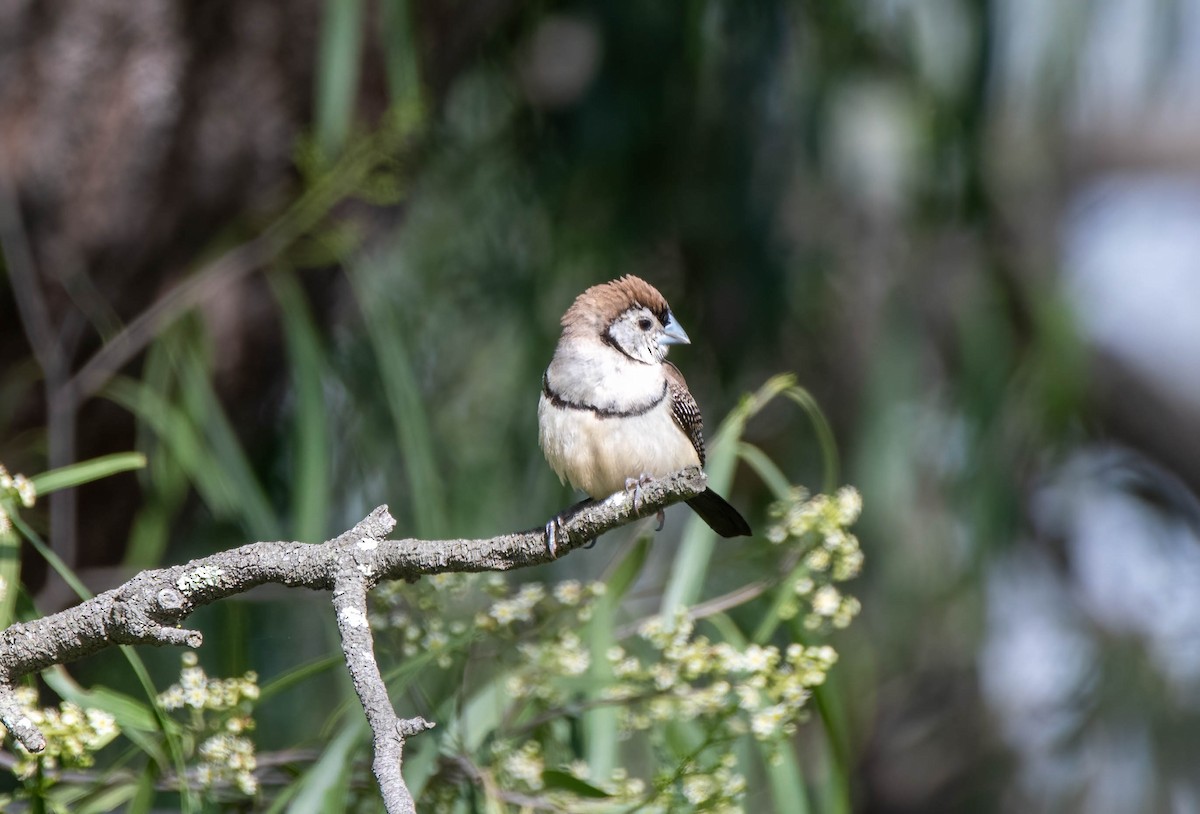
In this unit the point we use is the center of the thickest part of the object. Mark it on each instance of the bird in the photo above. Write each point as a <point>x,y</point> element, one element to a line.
<point>613,412</point>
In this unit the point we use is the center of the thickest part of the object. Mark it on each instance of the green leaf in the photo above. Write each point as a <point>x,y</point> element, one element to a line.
<point>480,715</point>
<point>690,566</point>
<point>407,404</point>
<point>231,463</point>
<point>310,436</point>
<point>297,675</point>
<point>10,569</point>
<point>784,594</point>
<point>54,561</point>
<point>213,459</point>
<point>105,799</point>
<point>326,784</point>
<point>400,53</point>
<point>784,777</point>
<point>565,781</point>
<point>766,469</point>
<point>600,723</point>
<point>129,712</point>
<point>825,439</point>
<point>143,800</point>
<point>626,572</point>
<point>87,471</point>
<point>338,59</point>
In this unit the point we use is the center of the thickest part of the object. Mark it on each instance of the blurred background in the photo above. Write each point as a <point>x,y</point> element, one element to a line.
<point>310,258</point>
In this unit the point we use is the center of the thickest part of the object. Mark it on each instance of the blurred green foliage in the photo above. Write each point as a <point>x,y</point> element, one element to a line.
<point>871,194</point>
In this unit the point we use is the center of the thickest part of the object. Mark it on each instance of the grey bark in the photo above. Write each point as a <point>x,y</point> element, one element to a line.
<point>150,607</point>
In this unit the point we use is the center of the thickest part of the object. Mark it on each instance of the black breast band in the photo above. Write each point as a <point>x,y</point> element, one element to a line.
<point>599,412</point>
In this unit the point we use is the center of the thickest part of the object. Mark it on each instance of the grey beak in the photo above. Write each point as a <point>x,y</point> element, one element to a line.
<point>673,333</point>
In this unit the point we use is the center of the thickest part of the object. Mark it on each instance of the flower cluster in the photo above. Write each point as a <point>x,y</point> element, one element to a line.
<point>758,689</point>
<point>226,754</point>
<point>196,690</point>
<point>73,735</point>
<point>665,673</point>
<point>228,758</point>
<point>16,488</point>
<point>441,615</point>
<point>714,786</point>
<point>818,526</point>
<point>521,767</point>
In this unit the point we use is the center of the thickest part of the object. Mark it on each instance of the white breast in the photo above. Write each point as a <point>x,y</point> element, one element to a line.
<point>597,454</point>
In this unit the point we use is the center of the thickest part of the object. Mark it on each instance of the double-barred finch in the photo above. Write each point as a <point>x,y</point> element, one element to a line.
<point>613,411</point>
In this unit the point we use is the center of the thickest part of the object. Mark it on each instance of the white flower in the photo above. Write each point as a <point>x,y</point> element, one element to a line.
<point>530,594</point>
<point>626,667</point>
<point>698,788</point>
<point>526,765</point>
<point>826,601</point>
<point>849,505</point>
<point>573,661</point>
<point>569,592</point>
<point>818,559</point>
<point>748,697</point>
<point>505,612</point>
<point>663,676</point>
<point>652,628</point>
<point>768,722</point>
<point>757,658</point>
<point>26,491</point>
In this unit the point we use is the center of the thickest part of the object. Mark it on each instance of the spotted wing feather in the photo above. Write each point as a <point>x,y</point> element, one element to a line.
<point>684,409</point>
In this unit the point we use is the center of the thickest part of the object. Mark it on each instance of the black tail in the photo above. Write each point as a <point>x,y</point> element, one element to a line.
<point>720,516</point>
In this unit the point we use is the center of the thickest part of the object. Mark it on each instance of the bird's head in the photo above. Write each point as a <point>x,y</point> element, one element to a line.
<point>628,314</point>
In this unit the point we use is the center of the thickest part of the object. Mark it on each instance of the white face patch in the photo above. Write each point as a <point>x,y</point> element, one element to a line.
<point>636,333</point>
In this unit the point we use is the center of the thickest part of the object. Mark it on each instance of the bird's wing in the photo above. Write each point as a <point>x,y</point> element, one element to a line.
<point>684,409</point>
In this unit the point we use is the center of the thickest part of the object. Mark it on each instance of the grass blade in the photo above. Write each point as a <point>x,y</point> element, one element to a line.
<point>339,57</point>
<point>87,471</point>
<point>766,469</point>
<point>310,432</point>
<point>406,405</point>
<point>326,784</point>
<point>231,464</point>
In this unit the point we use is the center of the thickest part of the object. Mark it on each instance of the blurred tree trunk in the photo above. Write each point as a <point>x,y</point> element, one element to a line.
<point>136,135</point>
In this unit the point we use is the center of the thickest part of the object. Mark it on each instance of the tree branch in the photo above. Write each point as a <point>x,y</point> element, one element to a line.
<point>150,607</point>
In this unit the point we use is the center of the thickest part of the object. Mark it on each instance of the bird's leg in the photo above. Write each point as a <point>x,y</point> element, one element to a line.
<point>635,485</point>
<point>556,529</point>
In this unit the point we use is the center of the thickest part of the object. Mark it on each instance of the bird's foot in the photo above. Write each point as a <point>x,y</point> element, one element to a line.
<point>662,520</point>
<point>555,531</point>
<point>635,485</point>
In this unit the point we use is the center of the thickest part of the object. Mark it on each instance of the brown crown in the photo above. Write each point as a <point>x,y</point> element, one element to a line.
<point>603,303</point>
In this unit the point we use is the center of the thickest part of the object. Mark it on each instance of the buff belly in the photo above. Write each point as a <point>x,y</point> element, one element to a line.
<point>598,454</point>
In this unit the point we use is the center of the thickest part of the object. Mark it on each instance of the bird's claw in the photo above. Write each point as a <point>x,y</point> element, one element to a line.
<point>555,530</point>
<point>662,520</point>
<point>635,485</point>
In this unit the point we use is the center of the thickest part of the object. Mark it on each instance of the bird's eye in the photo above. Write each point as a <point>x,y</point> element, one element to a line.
<point>645,324</point>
